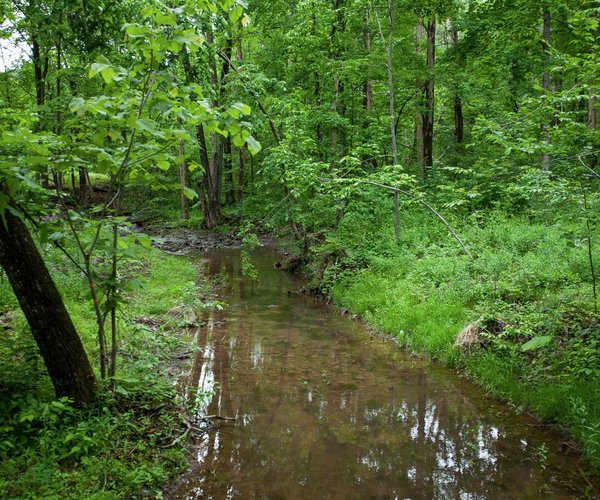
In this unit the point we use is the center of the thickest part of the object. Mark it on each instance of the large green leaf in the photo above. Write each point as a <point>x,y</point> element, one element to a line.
<point>536,343</point>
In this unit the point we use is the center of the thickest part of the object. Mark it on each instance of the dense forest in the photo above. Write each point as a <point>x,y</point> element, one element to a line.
<point>431,166</point>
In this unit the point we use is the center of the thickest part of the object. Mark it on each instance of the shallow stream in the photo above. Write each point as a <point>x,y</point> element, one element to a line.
<point>324,409</point>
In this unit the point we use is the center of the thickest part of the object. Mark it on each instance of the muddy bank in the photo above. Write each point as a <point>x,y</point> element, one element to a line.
<point>182,241</point>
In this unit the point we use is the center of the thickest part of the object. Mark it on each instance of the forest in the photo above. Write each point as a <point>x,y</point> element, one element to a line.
<point>428,167</point>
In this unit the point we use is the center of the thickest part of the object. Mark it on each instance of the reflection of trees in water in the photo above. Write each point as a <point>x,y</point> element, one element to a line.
<point>383,439</point>
<point>335,416</point>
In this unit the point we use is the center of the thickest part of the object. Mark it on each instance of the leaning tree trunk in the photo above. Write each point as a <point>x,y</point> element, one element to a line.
<point>50,323</point>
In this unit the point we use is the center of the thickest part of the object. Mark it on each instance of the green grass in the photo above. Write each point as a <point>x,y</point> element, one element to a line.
<point>119,447</point>
<point>532,277</point>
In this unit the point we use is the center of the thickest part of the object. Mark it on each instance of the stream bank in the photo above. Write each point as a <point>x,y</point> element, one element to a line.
<point>324,408</point>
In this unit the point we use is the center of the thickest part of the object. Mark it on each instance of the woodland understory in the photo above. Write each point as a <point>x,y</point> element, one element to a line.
<point>431,165</point>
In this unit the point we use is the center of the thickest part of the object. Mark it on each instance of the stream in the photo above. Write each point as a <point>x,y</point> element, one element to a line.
<point>325,409</point>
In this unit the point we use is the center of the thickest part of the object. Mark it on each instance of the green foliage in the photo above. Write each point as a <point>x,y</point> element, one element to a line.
<point>529,285</point>
<point>120,447</point>
<point>250,242</point>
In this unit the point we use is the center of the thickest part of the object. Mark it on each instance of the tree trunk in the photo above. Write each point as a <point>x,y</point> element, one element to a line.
<point>428,114</point>
<point>242,173</point>
<point>185,210</point>
<point>546,85</point>
<point>419,115</point>
<point>338,25</point>
<point>390,73</point>
<point>458,113</point>
<point>368,92</point>
<point>592,102</point>
<point>50,323</point>
<point>228,171</point>
<point>368,96</point>
<point>83,187</point>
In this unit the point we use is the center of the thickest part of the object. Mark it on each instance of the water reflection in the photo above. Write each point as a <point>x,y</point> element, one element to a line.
<point>324,410</point>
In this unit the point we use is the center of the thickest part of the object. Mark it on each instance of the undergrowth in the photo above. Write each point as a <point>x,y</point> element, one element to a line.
<point>527,288</point>
<point>122,446</point>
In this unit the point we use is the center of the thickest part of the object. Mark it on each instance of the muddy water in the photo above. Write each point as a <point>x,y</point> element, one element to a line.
<point>325,410</point>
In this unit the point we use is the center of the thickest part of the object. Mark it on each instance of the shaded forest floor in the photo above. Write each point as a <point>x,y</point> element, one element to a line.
<point>128,443</point>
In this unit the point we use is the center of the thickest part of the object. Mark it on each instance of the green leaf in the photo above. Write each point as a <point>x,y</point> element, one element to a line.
<point>135,30</point>
<point>77,105</point>
<point>108,74</point>
<point>253,145</point>
<point>144,240</point>
<point>236,13</point>
<point>237,109</point>
<point>165,19</point>
<point>536,343</point>
<point>146,124</point>
<point>190,194</point>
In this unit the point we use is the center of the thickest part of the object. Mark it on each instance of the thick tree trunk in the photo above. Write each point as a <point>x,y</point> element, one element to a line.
<point>50,323</point>
<point>592,102</point>
<point>368,95</point>
<point>338,26</point>
<point>211,207</point>
<point>318,131</point>
<point>390,49</point>
<point>317,86</point>
<point>368,91</point>
<point>228,171</point>
<point>83,186</point>
<point>242,173</point>
<point>210,184</point>
<point>40,70</point>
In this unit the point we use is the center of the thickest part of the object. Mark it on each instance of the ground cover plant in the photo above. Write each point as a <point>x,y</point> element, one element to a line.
<point>121,445</point>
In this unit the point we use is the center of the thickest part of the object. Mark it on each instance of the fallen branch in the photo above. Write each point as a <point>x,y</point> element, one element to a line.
<point>190,428</point>
<point>423,202</point>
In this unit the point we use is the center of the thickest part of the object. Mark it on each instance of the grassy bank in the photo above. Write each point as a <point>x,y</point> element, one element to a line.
<point>526,294</point>
<point>122,447</point>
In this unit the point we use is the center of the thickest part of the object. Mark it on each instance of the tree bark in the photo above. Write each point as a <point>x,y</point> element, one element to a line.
<point>228,171</point>
<point>185,210</point>
<point>428,114</point>
<point>50,323</point>
<point>390,73</point>
<point>338,26</point>
<point>458,113</point>
<point>546,84</point>
<point>368,95</point>
<point>419,115</point>
<point>242,173</point>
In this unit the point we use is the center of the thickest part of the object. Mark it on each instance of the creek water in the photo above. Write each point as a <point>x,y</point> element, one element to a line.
<point>324,409</point>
